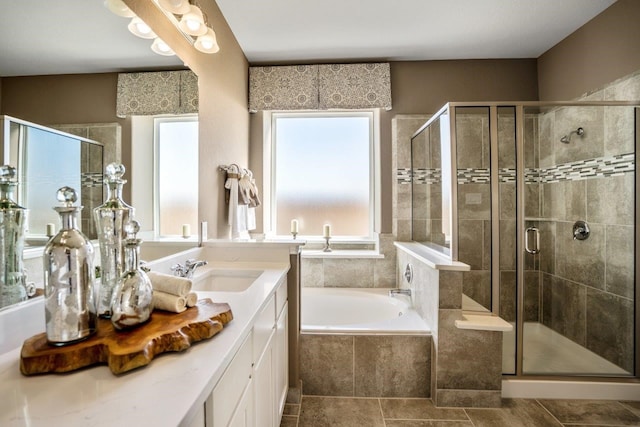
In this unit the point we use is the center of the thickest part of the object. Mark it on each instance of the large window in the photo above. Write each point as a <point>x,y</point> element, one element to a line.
<point>323,173</point>
<point>176,186</point>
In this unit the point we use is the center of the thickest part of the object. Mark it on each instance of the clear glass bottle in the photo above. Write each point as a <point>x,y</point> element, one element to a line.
<point>110,218</point>
<point>133,297</point>
<point>12,230</point>
<point>70,311</point>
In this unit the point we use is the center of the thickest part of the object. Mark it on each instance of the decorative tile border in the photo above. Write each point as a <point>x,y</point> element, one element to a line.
<point>91,179</point>
<point>574,171</point>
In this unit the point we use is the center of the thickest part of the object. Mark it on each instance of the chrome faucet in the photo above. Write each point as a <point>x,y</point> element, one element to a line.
<point>394,292</point>
<point>188,268</point>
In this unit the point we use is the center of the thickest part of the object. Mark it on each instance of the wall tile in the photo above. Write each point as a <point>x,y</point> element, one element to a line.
<point>312,272</point>
<point>610,327</point>
<point>467,359</point>
<point>507,244</point>
<point>564,201</point>
<point>348,273</point>
<point>392,366</point>
<point>547,141</point>
<point>326,365</point>
<point>506,140</point>
<point>469,140</point>
<point>619,134</point>
<point>620,260</point>
<point>587,146</point>
<point>581,261</point>
<point>469,398</point>
<point>564,305</point>
<point>547,246</point>
<point>450,293</point>
<point>508,295</point>
<point>474,201</point>
<point>610,200</point>
<point>470,238</point>
<point>476,284</point>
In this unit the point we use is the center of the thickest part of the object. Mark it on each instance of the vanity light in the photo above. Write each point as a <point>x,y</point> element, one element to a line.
<point>177,7</point>
<point>139,28</point>
<point>207,43</point>
<point>192,22</point>
<point>119,8</point>
<point>161,48</point>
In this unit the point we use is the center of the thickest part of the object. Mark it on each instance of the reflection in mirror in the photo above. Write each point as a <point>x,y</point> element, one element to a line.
<point>47,159</point>
<point>431,184</point>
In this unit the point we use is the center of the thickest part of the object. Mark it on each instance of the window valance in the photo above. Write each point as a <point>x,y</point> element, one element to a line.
<point>164,92</point>
<point>320,87</point>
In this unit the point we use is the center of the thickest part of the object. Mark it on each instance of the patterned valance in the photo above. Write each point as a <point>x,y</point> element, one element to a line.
<point>320,87</point>
<point>283,88</point>
<point>164,92</point>
<point>352,86</point>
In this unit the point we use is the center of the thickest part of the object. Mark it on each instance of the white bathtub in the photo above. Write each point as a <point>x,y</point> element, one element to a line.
<point>359,311</point>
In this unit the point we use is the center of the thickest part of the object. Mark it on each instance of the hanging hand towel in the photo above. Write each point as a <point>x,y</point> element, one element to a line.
<point>237,213</point>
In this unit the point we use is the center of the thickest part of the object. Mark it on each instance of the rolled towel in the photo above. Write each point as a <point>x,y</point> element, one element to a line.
<point>169,284</point>
<point>168,302</point>
<point>192,299</point>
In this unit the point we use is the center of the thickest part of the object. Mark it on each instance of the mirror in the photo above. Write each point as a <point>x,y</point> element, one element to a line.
<point>47,159</point>
<point>431,184</point>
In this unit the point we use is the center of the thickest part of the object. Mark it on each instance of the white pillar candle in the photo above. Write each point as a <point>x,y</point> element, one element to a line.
<point>186,230</point>
<point>327,230</point>
<point>51,229</point>
<point>294,225</point>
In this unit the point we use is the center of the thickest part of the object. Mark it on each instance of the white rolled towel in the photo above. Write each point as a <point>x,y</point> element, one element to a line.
<point>169,284</point>
<point>168,302</point>
<point>192,299</point>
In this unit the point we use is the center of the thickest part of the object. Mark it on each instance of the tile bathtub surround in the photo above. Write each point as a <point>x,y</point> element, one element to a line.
<point>385,365</point>
<point>348,412</point>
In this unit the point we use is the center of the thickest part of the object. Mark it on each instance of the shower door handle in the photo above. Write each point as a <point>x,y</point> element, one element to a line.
<point>527,248</point>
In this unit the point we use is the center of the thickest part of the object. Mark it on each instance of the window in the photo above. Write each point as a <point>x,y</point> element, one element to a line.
<point>176,174</point>
<point>323,169</point>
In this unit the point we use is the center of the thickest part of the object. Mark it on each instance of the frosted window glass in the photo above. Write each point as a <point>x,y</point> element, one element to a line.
<point>323,174</point>
<point>40,182</point>
<point>177,174</point>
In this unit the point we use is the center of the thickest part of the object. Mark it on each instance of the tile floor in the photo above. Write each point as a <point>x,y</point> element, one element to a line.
<point>315,411</point>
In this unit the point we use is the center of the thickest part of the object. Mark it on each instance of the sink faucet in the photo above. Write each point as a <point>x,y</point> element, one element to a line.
<point>188,268</point>
<point>394,292</point>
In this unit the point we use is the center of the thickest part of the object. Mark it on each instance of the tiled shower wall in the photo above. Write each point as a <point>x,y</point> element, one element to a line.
<point>587,287</point>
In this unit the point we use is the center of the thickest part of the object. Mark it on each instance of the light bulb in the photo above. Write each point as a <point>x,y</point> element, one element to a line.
<point>177,7</point>
<point>119,8</point>
<point>207,43</point>
<point>161,48</point>
<point>192,23</point>
<point>140,28</point>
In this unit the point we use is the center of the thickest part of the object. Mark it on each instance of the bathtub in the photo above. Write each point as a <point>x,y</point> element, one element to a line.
<point>359,311</point>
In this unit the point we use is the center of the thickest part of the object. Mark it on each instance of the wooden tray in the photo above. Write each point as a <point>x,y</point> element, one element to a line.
<point>127,350</point>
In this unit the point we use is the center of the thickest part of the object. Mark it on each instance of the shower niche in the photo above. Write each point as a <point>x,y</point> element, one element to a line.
<point>540,200</point>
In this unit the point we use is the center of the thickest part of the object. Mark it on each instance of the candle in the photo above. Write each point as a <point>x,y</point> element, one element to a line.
<point>186,231</point>
<point>294,225</point>
<point>51,229</point>
<point>327,230</point>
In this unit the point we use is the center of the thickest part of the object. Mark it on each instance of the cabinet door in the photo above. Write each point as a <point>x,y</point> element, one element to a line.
<point>264,386</point>
<point>244,415</point>
<point>282,361</point>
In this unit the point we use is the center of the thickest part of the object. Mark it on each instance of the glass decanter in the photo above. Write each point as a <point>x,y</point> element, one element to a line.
<point>110,218</point>
<point>12,230</point>
<point>70,311</point>
<point>133,297</point>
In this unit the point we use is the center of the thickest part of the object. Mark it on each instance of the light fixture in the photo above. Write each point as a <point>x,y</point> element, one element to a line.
<point>207,42</point>
<point>161,48</point>
<point>177,7</point>
<point>192,22</point>
<point>185,15</point>
<point>119,8</point>
<point>139,28</point>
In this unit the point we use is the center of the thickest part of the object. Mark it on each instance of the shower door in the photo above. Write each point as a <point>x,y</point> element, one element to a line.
<point>576,224</point>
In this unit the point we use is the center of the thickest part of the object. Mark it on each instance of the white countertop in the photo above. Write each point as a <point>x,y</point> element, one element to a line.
<point>165,393</point>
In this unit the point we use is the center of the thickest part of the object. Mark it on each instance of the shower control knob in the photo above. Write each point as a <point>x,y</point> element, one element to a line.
<point>581,230</point>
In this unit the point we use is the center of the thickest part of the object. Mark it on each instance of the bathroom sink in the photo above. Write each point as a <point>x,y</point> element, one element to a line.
<point>227,280</point>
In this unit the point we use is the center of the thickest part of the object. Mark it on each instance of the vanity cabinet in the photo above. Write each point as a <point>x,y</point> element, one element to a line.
<point>253,388</point>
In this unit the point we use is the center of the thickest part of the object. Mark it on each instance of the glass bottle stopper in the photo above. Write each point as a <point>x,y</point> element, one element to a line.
<point>7,174</point>
<point>131,228</point>
<point>67,196</point>
<point>115,172</point>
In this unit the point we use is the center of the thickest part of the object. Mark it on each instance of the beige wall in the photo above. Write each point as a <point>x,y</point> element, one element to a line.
<point>223,115</point>
<point>66,99</point>
<point>422,87</point>
<point>601,51</point>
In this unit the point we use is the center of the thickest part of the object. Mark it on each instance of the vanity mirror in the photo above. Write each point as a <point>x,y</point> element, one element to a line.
<point>47,159</point>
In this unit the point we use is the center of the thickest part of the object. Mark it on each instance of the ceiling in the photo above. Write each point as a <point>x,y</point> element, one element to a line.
<point>82,36</point>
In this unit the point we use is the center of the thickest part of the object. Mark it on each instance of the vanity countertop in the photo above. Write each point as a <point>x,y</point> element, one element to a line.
<point>167,392</point>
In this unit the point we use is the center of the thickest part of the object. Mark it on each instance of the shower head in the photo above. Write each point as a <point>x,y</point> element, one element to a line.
<point>567,138</point>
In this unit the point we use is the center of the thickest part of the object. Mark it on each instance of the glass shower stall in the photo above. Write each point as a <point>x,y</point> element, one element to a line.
<point>544,210</point>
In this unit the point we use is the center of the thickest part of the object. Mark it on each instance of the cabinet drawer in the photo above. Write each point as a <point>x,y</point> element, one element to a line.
<point>229,389</point>
<point>263,328</point>
<point>281,295</point>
